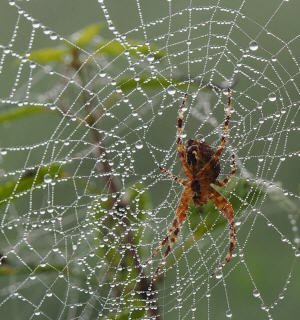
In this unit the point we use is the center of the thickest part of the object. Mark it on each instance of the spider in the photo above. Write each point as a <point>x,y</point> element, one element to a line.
<point>201,165</point>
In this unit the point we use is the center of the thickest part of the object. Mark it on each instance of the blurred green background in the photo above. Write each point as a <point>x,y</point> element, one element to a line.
<point>262,259</point>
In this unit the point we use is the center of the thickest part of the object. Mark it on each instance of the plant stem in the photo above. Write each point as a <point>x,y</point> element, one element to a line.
<point>145,284</point>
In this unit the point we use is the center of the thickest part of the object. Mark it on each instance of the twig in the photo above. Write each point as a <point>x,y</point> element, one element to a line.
<point>145,285</point>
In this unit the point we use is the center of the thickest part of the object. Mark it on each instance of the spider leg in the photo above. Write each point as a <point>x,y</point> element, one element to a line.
<point>180,146</point>
<point>225,207</point>
<point>171,175</point>
<point>232,172</point>
<point>174,230</point>
<point>212,162</point>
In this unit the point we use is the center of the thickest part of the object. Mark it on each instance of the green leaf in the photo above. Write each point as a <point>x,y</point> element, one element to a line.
<point>47,55</point>
<point>145,82</point>
<point>134,47</point>
<point>137,48</point>
<point>11,188</point>
<point>9,270</point>
<point>21,112</point>
<point>84,37</point>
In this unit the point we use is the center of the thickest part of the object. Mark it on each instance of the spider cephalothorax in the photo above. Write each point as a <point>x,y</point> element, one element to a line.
<point>201,165</point>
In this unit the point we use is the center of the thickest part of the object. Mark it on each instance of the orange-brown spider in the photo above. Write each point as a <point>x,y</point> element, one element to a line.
<point>201,165</point>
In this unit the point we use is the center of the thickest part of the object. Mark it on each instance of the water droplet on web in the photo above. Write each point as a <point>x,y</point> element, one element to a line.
<point>150,58</point>
<point>272,97</point>
<point>228,314</point>
<point>32,65</point>
<point>297,253</point>
<point>256,293</point>
<point>3,152</point>
<point>104,197</point>
<point>253,46</point>
<point>139,145</point>
<point>53,36</point>
<point>36,25</point>
<point>171,91</point>
<point>273,59</point>
<point>47,178</point>
<point>218,274</point>
<point>102,74</point>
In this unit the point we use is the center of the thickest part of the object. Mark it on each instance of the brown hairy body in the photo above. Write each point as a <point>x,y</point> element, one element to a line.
<point>201,165</point>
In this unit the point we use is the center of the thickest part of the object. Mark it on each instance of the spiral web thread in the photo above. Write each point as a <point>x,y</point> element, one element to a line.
<point>59,258</point>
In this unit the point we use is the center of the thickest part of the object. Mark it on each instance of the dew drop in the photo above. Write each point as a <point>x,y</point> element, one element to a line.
<point>228,314</point>
<point>256,293</point>
<point>3,152</point>
<point>253,46</point>
<point>273,59</point>
<point>150,58</point>
<point>36,25</point>
<point>53,36</point>
<point>272,97</point>
<point>218,274</point>
<point>102,74</point>
<point>171,91</point>
<point>297,253</point>
<point>139,145</point>
<point>47,178</point>
<point>32,65</point>
<point>104,197</point>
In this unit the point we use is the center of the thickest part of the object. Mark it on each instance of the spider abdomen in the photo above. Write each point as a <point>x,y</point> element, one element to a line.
<point>198,154</point>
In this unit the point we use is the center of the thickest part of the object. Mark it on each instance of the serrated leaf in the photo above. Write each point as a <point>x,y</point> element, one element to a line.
<point>47,55</point>
<point>11,188</point>
<point>134,47</point>
<point>83,37</point>
<point>21,112</point>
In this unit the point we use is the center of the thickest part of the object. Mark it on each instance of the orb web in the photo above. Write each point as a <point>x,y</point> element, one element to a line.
<point>86,121</point>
